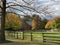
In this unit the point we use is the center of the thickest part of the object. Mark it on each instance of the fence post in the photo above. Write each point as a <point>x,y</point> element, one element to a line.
<point>31,37</point>
<point>14,34</point>
<point>17,34</point>
<point>43,37</point>
<point>23,35</point>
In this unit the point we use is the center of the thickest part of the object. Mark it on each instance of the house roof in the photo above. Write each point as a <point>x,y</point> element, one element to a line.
<point>29,22</point>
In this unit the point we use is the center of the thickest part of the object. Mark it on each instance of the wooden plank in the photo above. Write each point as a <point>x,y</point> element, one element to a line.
<point>52,36</point>
<point>50,41</point>
<point>53,42</point>
<point>31,37</point>
<point>51,32</point>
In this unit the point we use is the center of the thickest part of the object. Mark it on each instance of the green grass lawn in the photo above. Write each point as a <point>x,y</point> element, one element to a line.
<point>27,39</point>
<point>37,39</point>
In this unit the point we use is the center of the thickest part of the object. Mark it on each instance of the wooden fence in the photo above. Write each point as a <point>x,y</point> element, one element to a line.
<point>47,37</point>
<point>51,38</point>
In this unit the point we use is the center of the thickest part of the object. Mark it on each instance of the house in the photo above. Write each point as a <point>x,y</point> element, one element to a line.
<point>28,25</point>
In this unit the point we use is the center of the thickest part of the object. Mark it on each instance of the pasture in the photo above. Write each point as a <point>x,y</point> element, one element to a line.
<point>32,38</point>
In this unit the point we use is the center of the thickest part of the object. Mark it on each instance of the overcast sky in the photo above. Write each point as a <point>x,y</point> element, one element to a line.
<point>55,7</point>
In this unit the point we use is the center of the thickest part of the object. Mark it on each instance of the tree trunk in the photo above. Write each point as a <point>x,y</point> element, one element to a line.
<point>2,31</point>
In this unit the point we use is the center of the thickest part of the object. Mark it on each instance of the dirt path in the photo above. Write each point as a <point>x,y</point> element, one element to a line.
<point>21,42</point>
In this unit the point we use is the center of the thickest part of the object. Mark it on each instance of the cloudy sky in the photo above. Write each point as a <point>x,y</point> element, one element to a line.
<point>54,8</point>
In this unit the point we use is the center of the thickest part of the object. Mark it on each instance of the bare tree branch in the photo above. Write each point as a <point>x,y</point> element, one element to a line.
<point>9,3</point>
<point>15,13</point>
<point>23,6</point>
<point>29,8</point>
<point>25,2</point>
<point>17,9</point>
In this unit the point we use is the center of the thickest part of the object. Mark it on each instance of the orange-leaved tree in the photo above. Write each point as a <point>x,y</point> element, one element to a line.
<point>49,24</point>
<point>54,24</point>
<point>36,22</point>
<point>13,21</point>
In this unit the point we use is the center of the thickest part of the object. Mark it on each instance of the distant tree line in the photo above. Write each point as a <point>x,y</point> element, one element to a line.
<point>16,22</point>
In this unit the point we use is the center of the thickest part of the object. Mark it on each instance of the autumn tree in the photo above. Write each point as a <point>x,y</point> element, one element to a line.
<point>36,22</point>
<point>13,21</point>
<point>53,24</point>
<point>57,22</point>
<point>49,24</point>
<point>43,23</point>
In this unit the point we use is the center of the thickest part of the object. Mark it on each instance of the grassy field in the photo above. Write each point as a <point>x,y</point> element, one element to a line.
<point>37,39</point>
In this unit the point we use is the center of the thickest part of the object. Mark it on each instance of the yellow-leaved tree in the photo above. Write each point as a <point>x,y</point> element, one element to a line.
<point>50,24</point>
<point>54,24</point>
<point>36,22</point>
<point>13,21</point>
